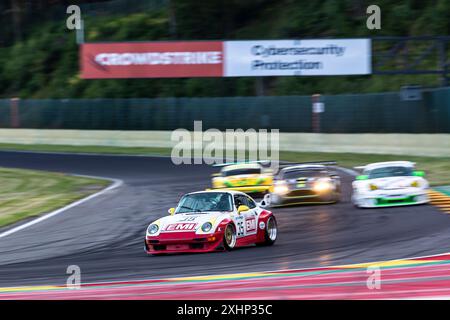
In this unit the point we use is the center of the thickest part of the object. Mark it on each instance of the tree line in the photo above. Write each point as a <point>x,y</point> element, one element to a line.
<point>39,56</point>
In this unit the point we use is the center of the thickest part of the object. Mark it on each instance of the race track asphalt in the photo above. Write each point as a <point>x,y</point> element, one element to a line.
<point>104,236</point>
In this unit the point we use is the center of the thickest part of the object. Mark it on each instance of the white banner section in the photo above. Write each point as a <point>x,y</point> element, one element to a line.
<point>297,57</point>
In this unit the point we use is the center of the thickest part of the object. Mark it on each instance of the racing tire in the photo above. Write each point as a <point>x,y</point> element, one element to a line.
<point>229,237</point>
<point>270,232</point>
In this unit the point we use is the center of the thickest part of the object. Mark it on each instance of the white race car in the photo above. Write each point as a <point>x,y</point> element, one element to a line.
<point>393,183</point>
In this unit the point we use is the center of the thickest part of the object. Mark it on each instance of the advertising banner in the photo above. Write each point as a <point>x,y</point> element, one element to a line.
<point>225,59</point>
<point>297,57</point>
<point>152,60</point>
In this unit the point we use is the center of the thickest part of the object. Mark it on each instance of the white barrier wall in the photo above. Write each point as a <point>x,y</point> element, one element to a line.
<point>436,145</point>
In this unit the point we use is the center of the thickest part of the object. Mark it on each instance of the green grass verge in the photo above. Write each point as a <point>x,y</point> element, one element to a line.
<point>437,169</point>
<point>85,149</point>
<point>29,193</point>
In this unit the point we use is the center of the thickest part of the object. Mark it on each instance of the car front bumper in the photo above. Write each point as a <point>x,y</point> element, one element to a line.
<point>390,199</point>
<point>183,242</point>
<point>305,196</point>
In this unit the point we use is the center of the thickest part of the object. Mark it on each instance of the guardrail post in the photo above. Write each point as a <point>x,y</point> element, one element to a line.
<point>315,113</point>
<point>14,113</point>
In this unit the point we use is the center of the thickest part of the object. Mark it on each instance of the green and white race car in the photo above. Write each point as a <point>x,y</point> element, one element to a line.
<point>393,183</point>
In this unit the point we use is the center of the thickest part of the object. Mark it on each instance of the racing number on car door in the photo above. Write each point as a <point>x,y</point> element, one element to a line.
<point>240,228</point>
<point>246,222</point>
<point>251,217</point>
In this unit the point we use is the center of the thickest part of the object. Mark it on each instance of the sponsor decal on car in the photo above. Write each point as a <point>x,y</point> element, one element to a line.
<point>178,227</point>
<point>250,224</point>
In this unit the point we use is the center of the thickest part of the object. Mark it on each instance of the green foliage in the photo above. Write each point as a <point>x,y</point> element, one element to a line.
<point>45,63</point>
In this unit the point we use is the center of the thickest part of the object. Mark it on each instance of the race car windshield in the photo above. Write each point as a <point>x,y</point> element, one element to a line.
<point>205,202</point>
<point>305,174</point>
<point>390,172</point>
<point>241,171</point>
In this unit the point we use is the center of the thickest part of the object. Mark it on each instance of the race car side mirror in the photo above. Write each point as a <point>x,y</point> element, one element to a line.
<point>362,177</point>
<point>171,211</point>
<point>243,208</point>
<point>419,173</point>
<point>265,202</point>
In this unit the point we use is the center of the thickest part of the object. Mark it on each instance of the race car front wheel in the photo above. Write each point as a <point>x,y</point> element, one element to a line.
<point>229,237</point>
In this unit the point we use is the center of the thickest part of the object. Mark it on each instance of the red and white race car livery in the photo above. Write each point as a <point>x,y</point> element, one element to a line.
<point>211,220</point>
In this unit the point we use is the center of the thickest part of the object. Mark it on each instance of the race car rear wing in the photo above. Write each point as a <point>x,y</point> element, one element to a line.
<point>330,163</point>
<point>263,162</point>
<point>325,163</point>
<point>283,164</point>
<point>361,168</point>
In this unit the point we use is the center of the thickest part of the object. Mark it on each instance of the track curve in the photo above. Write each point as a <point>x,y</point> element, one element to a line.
<point>104,236</point>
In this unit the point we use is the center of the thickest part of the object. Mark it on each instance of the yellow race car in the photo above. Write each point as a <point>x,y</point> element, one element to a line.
<point>245,177</point>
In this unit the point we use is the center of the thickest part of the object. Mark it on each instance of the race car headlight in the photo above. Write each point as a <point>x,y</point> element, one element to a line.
<point>280,188</point>
<point>206,227</point>
<point>152,229</point>
<point>322,186</point>
<point>373,187</point>
<point>415,184</point>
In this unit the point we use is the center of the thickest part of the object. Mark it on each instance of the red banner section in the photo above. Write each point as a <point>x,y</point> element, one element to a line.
<point>151,60</point>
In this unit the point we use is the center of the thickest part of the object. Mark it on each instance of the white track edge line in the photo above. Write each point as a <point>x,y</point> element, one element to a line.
<point>116,183</point>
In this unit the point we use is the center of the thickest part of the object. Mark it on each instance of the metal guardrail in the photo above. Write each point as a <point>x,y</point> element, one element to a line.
<point>351,113</point>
